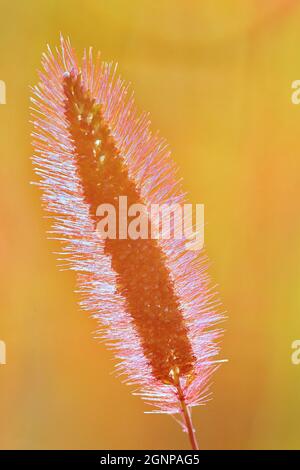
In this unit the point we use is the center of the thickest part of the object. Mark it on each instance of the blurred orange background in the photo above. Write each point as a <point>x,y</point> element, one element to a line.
<point>216,77</point>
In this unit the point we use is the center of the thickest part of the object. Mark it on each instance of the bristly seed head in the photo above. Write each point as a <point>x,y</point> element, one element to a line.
<point>152,298</point>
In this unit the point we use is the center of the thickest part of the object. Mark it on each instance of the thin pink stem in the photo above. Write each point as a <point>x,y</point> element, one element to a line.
<point>186,413</point>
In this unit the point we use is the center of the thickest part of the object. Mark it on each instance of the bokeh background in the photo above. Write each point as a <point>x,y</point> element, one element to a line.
<point>216,77</point>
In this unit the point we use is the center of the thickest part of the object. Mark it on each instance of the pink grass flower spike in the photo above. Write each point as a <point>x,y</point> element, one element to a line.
<point>151,297</point>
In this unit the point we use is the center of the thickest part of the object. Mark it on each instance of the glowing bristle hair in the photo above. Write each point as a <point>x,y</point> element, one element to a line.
<point>152,297</point>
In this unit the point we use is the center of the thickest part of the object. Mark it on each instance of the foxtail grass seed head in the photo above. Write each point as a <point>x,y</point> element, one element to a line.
<point>151,296</point>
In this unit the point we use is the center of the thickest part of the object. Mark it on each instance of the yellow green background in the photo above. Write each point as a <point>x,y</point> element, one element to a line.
<point>216,77</point>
